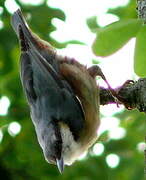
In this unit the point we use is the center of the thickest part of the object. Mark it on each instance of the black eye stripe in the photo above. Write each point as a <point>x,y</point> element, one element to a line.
<point>58,142</point>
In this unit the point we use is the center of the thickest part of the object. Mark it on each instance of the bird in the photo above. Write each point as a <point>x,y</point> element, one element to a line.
<point>62,95</point>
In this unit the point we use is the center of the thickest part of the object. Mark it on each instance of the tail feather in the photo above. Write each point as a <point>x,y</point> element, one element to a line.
<point>17,19</point>
<point>44,48</point>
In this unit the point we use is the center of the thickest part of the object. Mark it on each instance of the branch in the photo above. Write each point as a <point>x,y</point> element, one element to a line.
<point>141,9</point>
<point>131,94</point>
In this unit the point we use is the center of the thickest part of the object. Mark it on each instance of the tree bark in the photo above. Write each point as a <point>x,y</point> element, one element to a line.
<point>131,94</point>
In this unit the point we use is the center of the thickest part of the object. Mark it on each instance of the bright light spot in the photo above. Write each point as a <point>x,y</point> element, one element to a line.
<point>57,22</point>
<point>82,157</point>
<point>1,24</point>
<point>111,109</point>
<point>98,149</point>
<point>141,146</point>
<point>112,160</point>
<point>33,2</point>
<point>115,66</point>
<point>80,9</point>
<point>76,18</point>
<point>69,30</point>
<point>117,133</point>
<point>108,123</point>
<point>1,136</point>
<point>106,19</point>
<point>14,128</point>
<point>1,10</point>
<point>11,6</point>
<point>74,28</point>
<point>4,105</point>
<point>88,8</point>
<point>117,3</point>
<point>81,53</point>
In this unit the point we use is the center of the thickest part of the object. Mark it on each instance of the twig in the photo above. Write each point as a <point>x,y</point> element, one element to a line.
<point>131,94</point>
<point>141,10</point>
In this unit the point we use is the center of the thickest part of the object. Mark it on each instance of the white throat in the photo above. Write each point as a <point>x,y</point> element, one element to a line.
<point>71,150</point>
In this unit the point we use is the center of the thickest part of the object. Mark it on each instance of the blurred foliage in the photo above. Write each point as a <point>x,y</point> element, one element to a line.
<point>20,156</point>
<point>111,38</point>
<point>92,23</point>
<point>125,12</point>
<point>140,52</point>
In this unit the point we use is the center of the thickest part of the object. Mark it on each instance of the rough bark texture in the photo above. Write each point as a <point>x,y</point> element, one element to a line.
<point>141,10</point>
<point>131,94</point>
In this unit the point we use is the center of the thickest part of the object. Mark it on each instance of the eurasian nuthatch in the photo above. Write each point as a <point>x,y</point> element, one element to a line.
<point>63,97</point>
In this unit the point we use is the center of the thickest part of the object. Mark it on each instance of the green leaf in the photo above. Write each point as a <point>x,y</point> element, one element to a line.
<point>74,42</point>
<point>64,44</point>
<point>140,53</point>
<point>112,37</point>
<point>92,23</point>
<point>128,11</point>
<point>95,61</point>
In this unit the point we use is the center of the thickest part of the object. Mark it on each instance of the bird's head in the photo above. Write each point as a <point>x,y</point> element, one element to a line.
<point>51,142</point>
<point>59,146</point>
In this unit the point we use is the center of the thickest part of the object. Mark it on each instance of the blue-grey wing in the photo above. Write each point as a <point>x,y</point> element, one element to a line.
<point>46,93</point>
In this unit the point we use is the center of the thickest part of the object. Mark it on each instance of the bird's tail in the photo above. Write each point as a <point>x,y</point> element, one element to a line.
<point>43,47</point>
<point>35,52</point>
<point>18,20</point>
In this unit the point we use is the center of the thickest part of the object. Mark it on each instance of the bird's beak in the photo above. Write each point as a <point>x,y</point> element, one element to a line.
<point>60,164</point>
